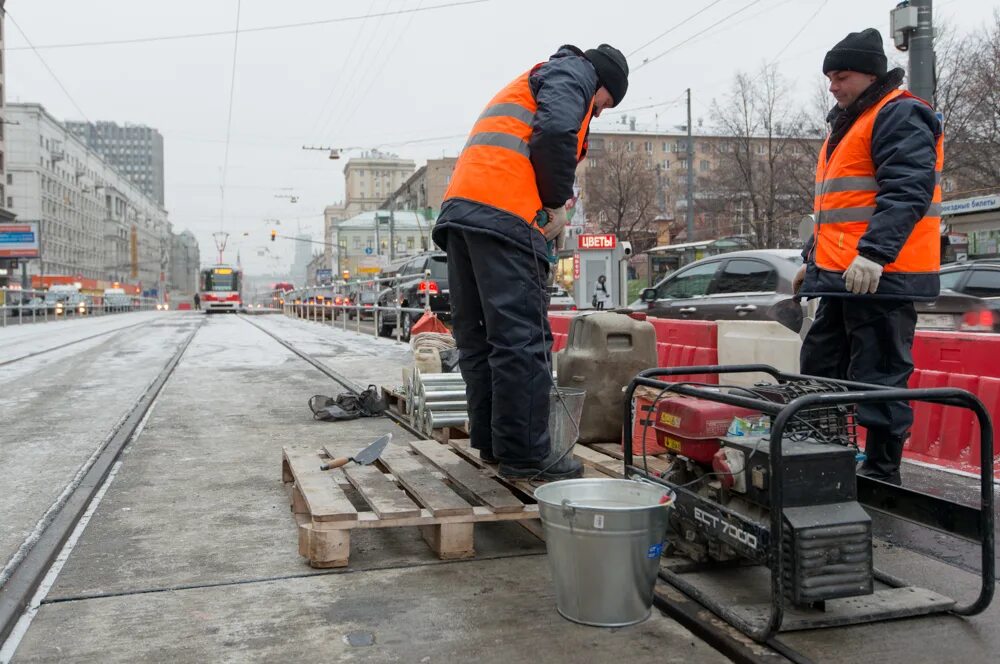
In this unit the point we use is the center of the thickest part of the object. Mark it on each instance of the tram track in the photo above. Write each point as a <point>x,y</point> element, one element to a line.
<point>22,575</point>
<point>74,342</point>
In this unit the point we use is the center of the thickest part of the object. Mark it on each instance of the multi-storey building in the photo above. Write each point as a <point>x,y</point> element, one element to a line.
<point>135,151</point>
<point>424,190</point>
<point>94,222</point>
<point>369,235</point>
<point>665,155</point>
<point>368,181</point>
<point>185,261</point>
<point>5,213</point>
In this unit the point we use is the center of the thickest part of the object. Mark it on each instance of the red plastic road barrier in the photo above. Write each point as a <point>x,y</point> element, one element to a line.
<point>687,343</point>
<point>961,352</point>
<point>946,435</point>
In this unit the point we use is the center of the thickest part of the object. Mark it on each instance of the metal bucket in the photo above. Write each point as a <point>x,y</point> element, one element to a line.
<point>604,539</point>
<point>564,427</point>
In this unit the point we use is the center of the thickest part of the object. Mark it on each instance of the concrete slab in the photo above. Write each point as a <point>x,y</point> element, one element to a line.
<point>499,611</point>
<point>59,408</point>
<point>199,498</point>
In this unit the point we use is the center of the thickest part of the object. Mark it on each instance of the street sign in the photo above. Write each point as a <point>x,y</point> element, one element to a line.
<point>576,266</point>
<point>324,276</point>
<point>602,241</point>
<point>370,265</point>
<point>368,251</point>
<point>19,240</point>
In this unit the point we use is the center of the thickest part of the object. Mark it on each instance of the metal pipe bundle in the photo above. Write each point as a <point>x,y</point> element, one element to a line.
<point>436,400</point>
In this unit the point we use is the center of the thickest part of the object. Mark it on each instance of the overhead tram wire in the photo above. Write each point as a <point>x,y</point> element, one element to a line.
<point>339,75</point>
<point>674,27</point>
<point>799,32</point>
<point>371,79</point>
<point>724,19</point>
<point>229,116</point>
<point>360,72</point>
<point>222,33</point>
<point>45,64</point>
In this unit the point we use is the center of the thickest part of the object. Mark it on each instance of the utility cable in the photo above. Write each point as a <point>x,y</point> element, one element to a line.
<point>799,32</point>
<point>340,71</point>
<point>371,79</point>
<point>221,33</point>
<point>229,116</point>
<point>672,28</point>
<point>724,19</point>
<point>47,67</point>
<point>360,72</point>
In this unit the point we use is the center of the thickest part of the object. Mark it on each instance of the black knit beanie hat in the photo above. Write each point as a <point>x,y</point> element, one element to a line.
<point>859,51</point>
<point>612,70</point>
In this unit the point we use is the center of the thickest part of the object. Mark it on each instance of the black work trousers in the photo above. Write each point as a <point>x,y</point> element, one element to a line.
<point>868,341</point>
<point>501,326</point>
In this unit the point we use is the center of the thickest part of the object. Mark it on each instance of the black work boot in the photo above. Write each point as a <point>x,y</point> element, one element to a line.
<point>883,456</point>
<point>486,456</point>
<point>566,468</point>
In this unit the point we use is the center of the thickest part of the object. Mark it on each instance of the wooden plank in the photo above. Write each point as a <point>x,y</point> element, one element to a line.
<point>326,501</point>
<point>418,479</point>
<point>480,514</point>
<point>490,492</point>
<point>599,461</point>
<point>386,499</point>
<point>657,464</point>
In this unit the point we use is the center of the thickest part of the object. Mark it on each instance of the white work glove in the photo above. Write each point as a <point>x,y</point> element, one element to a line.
<point>800,276</point>
<point>557,222</point>
<point>862,276</point>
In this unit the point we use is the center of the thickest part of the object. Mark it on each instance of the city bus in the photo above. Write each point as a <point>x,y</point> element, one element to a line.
<point>221,289</point>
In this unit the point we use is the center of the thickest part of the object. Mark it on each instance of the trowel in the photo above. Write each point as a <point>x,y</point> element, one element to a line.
<point>362,458</point>
<point>789,314</point>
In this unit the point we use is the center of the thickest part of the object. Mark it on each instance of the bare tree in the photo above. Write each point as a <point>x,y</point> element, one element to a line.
<point>764,176</point>
<point>621,194</point>
<point>968,96</point>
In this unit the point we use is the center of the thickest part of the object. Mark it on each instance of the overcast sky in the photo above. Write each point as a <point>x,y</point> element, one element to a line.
<point>379,81</point>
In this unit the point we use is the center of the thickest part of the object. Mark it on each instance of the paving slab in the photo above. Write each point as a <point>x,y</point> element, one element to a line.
<point>199,498</point>
<point>488,611</point>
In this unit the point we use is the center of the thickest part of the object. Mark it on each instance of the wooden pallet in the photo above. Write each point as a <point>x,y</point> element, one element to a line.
<point>599,459</point>
<point>428,486</point>
<point>395,400</point>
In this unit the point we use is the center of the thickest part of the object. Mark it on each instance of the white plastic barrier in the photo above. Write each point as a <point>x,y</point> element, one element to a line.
<point>757,342</point>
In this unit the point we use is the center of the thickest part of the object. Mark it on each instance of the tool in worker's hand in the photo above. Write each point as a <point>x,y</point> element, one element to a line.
<point>542,219</point>
<point>362,458</point>
<point>789,314</point>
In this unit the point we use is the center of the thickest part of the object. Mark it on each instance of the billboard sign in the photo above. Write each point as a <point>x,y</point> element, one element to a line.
<point>603,241</point>
<point>19,240</point>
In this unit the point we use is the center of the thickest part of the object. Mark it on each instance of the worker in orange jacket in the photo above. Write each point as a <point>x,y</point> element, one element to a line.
<point>876,242</point>
<point>505,202</point>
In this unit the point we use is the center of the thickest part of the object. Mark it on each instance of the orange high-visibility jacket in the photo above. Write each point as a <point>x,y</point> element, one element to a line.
<point>495,167</point>
<point>845,200</point>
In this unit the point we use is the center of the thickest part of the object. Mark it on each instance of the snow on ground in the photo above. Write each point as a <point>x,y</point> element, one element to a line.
<point>57,409</point>
<point>17,340</point>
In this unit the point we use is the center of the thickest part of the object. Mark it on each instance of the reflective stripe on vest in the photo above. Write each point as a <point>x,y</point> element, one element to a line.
<point>845,201</point>
<point>494,167</point>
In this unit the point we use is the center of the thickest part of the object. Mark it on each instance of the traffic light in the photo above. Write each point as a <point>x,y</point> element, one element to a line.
<point>274,234</point>
<point>346,275</point>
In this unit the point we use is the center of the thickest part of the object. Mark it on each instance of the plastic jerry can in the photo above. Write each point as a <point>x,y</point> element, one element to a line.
<point>604,351</point>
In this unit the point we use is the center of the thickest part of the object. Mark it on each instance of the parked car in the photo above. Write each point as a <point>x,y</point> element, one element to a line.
<point>366,299</point>
<point>560,300</point>
<point>415,287</point>
<point>742,285</point>
<point>115,300</point>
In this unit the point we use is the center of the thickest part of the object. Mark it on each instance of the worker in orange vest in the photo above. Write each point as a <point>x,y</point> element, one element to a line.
<point>876,240</point>
<point>504,204</point>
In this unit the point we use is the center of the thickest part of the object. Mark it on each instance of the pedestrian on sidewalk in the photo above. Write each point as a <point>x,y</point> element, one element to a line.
<point>876,245</point>
<point>506,200</point>
<point>197,302</point>
<point>601,294</point>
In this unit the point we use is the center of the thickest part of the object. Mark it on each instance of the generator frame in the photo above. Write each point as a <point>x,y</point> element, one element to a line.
<point>963,521</point>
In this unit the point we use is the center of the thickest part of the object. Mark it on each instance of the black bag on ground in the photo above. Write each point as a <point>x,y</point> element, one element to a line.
<point>449,360</point>
<point>348,406</point>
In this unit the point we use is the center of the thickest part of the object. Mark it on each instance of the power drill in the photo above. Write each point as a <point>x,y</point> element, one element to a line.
<point>542,219</point>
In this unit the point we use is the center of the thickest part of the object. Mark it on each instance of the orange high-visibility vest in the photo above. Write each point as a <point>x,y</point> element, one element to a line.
<point>494,167</point>
<point>845,201</point>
